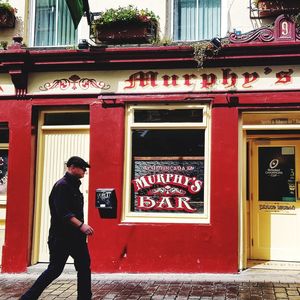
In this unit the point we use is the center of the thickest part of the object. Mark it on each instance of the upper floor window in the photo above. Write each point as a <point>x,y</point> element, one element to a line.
<point>196,19</point>
<point>53,24</point>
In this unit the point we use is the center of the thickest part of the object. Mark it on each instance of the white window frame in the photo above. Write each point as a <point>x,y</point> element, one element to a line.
<point>224,18</point>
<point>154,217</point>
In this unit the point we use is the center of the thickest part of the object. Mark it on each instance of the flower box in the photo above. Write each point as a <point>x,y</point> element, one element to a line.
<point>126,33</point>
<point>269,8</point>
<point>125,25</point>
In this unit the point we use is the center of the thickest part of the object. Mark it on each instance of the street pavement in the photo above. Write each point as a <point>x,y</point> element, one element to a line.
<point>250,284</point>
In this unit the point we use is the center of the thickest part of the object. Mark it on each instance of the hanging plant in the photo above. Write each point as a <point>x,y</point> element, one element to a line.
<point>204,50</point>
<point>7,15</point>
<point>296,19</point>
<point>3,45</point>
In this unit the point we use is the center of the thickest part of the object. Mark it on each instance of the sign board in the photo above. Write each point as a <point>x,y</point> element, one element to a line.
<point>168,184</point>
<point>249,79</point>
<point>277,174</point>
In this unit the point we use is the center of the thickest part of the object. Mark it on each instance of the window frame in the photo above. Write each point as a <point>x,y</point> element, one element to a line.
<point>31,27</point>
<point>154,217</point>
<point>224,20</point>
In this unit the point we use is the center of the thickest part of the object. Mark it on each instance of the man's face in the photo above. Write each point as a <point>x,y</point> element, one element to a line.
<point>77,171</point>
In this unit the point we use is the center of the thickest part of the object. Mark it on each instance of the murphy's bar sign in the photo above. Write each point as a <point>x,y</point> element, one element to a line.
<point>168,184</point>
<point>261,78</point>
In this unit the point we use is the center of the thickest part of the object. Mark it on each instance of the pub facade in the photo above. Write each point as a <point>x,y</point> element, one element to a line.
<point>192,169</point>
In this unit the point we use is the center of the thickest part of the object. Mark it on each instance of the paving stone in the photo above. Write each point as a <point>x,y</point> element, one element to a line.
<point>156,290</point>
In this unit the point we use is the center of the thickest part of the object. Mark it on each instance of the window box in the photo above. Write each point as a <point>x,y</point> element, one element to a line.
<point>126,33</point>
<point>268,8</point>
<point>125,25</point>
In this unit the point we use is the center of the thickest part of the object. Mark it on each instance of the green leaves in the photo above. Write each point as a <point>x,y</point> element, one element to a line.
<point>129,14</point>
<point>4,5</point>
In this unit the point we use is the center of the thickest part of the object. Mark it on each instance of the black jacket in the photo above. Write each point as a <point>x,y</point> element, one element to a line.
<point>65,201</point>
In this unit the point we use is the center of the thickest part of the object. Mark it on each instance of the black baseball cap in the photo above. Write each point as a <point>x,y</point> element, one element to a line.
<point>77,161</point>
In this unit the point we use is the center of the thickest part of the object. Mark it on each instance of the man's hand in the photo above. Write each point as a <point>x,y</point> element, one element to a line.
<point>86,229</point>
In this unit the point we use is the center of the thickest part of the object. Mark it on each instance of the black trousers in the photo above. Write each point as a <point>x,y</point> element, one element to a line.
<point>60,250</point>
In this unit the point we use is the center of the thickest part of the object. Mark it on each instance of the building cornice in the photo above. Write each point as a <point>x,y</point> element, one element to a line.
<point>147,57</point>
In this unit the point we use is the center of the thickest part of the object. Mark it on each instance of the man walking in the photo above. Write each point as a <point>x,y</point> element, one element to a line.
<point>67,233</point>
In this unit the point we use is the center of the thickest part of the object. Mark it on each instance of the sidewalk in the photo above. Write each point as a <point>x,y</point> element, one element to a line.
<point>250,284</point>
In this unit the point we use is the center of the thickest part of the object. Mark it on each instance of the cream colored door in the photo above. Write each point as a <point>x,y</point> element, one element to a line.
<point>275,205</point>
<point>56,146</point>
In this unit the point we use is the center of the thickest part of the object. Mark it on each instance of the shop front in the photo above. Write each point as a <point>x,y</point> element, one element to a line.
<point>193,170</point>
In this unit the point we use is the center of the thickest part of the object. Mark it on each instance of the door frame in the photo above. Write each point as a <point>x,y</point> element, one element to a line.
<point>288,130</point>
<point>285,140</point>
<point>39,171</point>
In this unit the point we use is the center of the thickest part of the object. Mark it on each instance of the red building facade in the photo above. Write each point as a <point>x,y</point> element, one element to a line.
<point>175,143</point>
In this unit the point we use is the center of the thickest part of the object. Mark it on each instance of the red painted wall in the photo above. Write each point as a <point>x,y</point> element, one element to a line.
<point>135,247</point>
<point>19,200</point>
<point>128,247</point>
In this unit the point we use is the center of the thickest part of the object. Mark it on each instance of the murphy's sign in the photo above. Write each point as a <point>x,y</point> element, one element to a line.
<point>168,185</point>
<point>261,78</point>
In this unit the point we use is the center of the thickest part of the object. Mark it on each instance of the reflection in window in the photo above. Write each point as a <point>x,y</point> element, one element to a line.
<point>165,163</point>
<point>78,118</point>
<point>172,116</point>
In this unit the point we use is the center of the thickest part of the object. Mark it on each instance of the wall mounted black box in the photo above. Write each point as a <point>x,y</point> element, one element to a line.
<point>106,202</point>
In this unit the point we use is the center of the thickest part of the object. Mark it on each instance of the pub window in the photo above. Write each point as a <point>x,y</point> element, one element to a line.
<point>167,164</point>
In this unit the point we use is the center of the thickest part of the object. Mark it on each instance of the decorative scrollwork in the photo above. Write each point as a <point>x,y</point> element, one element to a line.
<point>74,82</point>
<point>166,191</point>
<point>264,34</point>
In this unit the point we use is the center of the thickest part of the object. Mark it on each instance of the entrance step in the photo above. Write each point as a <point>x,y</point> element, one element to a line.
<point>273,265</point>
<point>41,267</point>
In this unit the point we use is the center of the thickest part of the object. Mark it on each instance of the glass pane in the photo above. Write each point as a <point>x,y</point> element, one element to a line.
<point>168,171</point>
<point>209,16</point>
<point>185,15</point>
<point>4,133</point>
<point>3,172</point>
<point>292,118</point>
<point>66,33</point>
<point>277,173</point>
<point>67,119</point>
<point>159,142</point>
<point>197,19</point>
<point>165,115</point>
<point>53,24</point>
<point>45,14</point>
